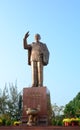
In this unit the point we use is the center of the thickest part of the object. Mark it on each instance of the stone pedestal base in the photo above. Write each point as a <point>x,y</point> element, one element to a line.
<point>37,97</point>
<point>24,127</point>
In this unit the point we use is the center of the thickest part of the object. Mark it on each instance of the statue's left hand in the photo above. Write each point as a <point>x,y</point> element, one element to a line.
<point>27,35</point>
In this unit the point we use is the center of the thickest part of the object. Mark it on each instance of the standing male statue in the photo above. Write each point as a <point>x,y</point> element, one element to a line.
<point>38,56</point>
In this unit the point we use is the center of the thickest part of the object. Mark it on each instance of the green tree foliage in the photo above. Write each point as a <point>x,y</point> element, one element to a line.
<point>4,100</point>
<point>20,107</point>
<point>11,102</point>
<point>72,109</point>
<point>57,115</point>
<point>57,110</point>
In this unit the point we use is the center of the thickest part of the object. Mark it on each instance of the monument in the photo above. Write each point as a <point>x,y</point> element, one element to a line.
<point>36,99</point>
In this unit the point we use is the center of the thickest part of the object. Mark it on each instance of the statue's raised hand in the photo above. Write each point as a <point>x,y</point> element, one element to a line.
<point>27,35</point>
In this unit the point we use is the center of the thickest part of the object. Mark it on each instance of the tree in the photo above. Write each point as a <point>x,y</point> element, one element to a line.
<point>72,109</point>
<point>57,114</point>
<point>11,102</point>
<point>57,110</point>
<point>4,100</point>
<point>20,106</point>
<point>14,102</point>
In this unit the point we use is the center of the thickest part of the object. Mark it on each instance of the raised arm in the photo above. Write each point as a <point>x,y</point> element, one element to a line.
<point>25,45</point>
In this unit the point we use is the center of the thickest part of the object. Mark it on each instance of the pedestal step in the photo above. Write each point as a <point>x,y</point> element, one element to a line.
<point>38,128</point>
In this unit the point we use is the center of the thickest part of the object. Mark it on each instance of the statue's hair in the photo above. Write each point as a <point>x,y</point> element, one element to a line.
<point>38,36</point>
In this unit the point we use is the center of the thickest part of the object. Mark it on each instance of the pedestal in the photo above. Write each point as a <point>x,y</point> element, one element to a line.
<point>36,97</point>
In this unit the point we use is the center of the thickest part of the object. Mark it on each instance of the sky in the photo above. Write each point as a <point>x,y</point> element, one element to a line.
<point>58,23</point>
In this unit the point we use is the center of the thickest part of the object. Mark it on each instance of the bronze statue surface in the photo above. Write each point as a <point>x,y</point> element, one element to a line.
<point>38,56</point>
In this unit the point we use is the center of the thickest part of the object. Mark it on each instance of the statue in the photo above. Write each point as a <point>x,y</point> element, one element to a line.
<point>38,56</point>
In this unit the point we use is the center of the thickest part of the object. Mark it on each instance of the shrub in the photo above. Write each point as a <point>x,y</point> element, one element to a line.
<point>53,122</point>
<point>8,122</point>
<point>3,121</point>
<point>0,122</point>
<point>59,122</point>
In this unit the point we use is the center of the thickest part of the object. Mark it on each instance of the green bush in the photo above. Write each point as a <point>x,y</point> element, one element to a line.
<point>8,122</point>
<point>53,122</point>
<point>59,122</point>
<point>0,122</point>
<point>3,121</point>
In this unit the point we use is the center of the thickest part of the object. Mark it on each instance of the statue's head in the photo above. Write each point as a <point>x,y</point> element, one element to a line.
<point>37,37</point>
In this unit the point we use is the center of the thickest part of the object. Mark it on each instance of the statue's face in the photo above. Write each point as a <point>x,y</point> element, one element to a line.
<point>37,38</point>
